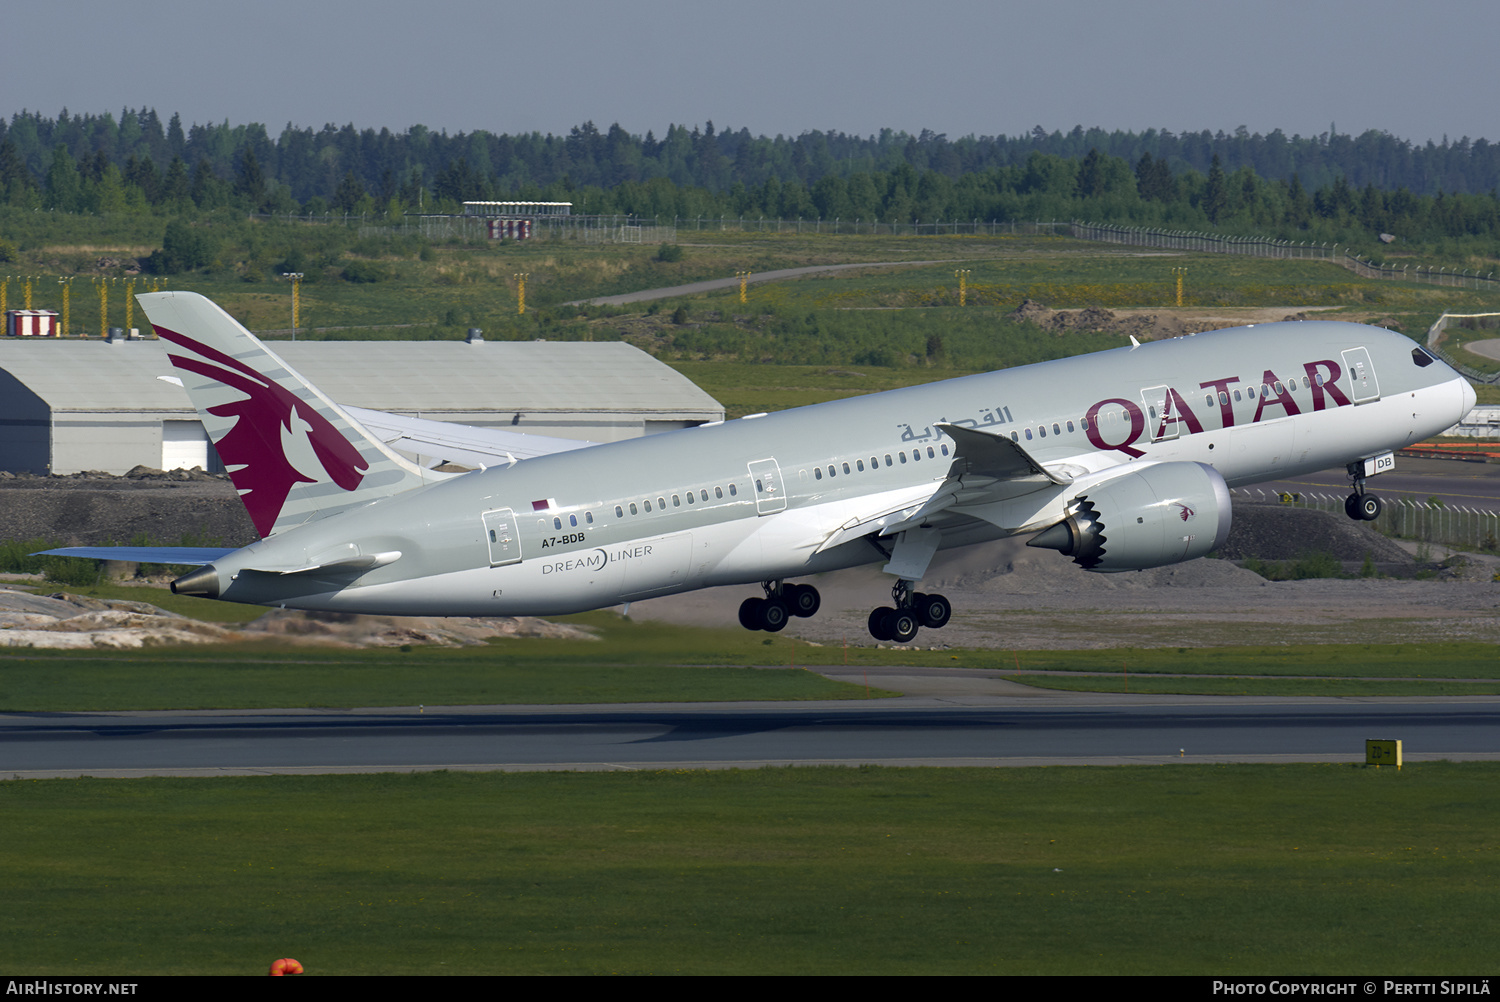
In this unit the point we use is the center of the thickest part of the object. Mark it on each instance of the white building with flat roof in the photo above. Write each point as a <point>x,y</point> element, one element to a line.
<point>70,405</point>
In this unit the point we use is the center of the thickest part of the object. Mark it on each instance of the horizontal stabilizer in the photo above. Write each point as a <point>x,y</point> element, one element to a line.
<point>194,556</point>
<point>458,443</point>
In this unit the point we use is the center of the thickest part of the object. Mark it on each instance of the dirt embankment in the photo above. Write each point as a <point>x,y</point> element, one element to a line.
<point>96,509</point>
<point>1151,325</point>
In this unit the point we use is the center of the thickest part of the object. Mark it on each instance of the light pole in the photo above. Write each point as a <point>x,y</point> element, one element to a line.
<point>962,274</point>
<point>1179,272</point>
<point>296,277</point>
<point>521,277</point>
<point>67,284</point>
<point>103,307</point>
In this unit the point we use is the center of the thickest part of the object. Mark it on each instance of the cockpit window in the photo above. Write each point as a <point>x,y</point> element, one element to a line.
<point>1421,357</point>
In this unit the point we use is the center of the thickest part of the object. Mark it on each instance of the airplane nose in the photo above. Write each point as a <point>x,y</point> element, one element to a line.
<point>1467,399</point>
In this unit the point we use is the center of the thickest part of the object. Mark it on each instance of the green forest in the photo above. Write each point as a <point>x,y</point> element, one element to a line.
<point>1330,187</point>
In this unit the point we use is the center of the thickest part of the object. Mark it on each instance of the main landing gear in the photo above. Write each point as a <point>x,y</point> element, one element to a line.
<point>782,602</point>
<point>912,610</point>
<point>1360,506</point>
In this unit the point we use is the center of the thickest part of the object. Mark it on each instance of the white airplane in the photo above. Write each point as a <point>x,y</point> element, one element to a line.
<point>1121,459</point>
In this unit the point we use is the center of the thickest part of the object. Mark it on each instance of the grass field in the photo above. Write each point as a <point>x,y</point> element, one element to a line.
<point>645,661</point>
<point>1128,870</point>
<point>439,290</point>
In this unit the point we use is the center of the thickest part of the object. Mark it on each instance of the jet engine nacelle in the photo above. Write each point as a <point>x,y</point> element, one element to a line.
<point>1162,514</point>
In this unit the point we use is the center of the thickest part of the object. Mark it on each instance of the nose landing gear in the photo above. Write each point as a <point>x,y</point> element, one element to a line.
<point>1360,506</point>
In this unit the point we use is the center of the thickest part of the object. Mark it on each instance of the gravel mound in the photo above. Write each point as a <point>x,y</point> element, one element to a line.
<point>1282,532</point>
<point>66,621</point>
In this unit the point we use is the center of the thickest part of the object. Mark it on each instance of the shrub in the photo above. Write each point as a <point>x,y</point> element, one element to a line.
<point>183,248</point>
<point>364,272</point>
<point>669,253</point>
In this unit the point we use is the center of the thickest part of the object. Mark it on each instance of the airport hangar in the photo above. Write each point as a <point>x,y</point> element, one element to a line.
<point>69,405</point>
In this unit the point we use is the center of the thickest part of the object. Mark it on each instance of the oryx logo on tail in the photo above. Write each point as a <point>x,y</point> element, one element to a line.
<point>267,421</point>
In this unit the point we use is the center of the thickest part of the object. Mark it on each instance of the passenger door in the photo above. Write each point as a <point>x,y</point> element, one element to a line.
<point>500,532</point>
<point>770,493</point>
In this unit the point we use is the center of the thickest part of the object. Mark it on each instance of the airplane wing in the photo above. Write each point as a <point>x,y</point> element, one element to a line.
<point>194,556</point>
<point>985,469</point>
<point>460,443</point>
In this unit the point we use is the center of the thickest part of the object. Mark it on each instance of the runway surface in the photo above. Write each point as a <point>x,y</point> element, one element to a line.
<point>716,284</point>
<point>1469,484</point>
<point>963,718</point>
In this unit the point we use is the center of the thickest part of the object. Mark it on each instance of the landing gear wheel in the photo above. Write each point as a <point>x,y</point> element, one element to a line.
<point>803,600</point>
<point>933,610</point>
<point>773,615</point>
<point>903,626</point>
<point>750,613</point>
<point>1369,507</point>
<point>1351,507</point>
<point>880,623</point>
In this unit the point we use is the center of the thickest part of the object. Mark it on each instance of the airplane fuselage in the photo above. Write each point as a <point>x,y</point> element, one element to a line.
<point>765,498</point>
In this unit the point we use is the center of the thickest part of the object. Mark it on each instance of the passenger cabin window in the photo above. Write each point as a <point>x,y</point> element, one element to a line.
<point>732,491</point>
<point>846,469</point>
<point>676,501</point>
<point>632,509</point>
<point>647,504</point>
<point>557,523</point>
<point>718,492</point>
<point>817,473</point>
<point>620,512</point>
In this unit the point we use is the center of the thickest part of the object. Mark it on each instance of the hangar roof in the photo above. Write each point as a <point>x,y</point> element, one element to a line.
<point>427,377</point>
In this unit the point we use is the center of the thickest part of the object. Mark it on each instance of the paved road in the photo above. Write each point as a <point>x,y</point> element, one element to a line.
<point>730,283</point>
<point>1486,349</point>
<point>959,718</point>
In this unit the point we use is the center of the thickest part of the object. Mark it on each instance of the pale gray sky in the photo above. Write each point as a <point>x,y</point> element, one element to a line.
<point>774,66</point>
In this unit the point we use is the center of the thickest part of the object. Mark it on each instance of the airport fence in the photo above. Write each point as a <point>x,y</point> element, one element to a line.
<point>1433,522</point>
<point>1218,243</point>
<point>657,229</point>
